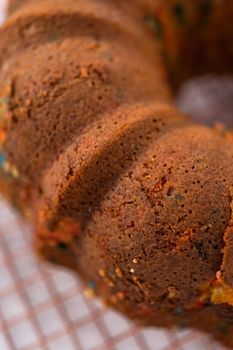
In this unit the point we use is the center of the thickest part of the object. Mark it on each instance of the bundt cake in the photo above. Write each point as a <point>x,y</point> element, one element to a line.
<point>120,185</point>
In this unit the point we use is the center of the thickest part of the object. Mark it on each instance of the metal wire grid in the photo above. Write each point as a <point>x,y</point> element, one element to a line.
<point>43,307</point>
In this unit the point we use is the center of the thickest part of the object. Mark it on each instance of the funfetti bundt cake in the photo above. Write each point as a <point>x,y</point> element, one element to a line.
<point>118,183</point>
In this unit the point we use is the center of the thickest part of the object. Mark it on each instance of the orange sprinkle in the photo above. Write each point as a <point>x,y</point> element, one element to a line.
<point>118,272</point>
<point>102,273</point>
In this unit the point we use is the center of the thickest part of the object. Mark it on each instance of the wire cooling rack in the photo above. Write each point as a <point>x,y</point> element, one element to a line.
<point>44,307</point>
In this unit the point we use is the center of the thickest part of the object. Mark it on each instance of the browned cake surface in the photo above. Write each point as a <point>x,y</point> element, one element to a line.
<point>120,186</point>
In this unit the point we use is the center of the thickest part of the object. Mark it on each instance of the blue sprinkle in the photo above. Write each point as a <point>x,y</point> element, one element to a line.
<point>92,284</point>
<point>2,158</point>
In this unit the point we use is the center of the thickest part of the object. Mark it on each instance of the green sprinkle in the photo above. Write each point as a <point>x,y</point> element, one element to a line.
<point>3,106</point>
<point>216,211</point>
<point>179,197</point>
<point>154,24</point>
<point>180,13</point>
<point>4,101</point>
<point>52,37</point>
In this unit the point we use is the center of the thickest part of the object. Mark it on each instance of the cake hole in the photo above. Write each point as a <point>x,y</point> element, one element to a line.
<point>208,99</point>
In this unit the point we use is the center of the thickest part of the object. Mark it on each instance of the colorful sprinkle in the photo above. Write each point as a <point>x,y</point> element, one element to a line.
<point>2,137</point>
<point>52,37</point>
<point>153,23</point>
<point>106,279</point>
<point>221,294</point>
<point>65,232</point>
<point>102,273</point>
<point>121,295</point>
<point>200,304</point>
<point>89,293</point>
<point>109,282</point>
<point>2,158</point>
<point>179,197</point>
<point>3,106</point>
<point>92,284</point>
<point>118,297</point>
<point>8,168</point>
<point>118,272</point>
<point>172,292</point>
<point>84,72</point>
